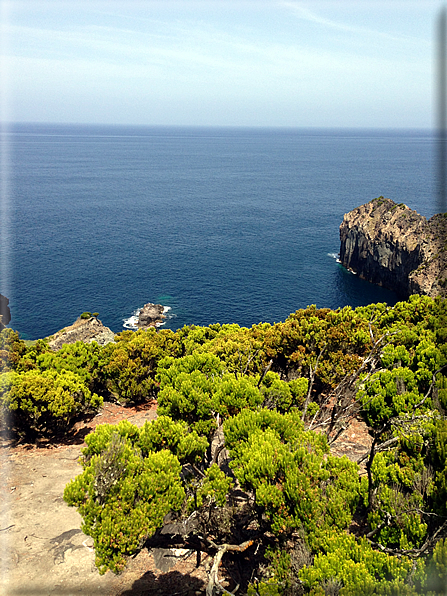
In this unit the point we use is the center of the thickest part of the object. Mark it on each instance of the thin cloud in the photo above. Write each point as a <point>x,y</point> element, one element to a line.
<point>305,14</point>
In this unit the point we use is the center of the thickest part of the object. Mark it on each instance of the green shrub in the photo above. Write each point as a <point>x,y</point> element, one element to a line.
<point>12,349</point>
<point>262,476</point>
<point>129,365</point>
<point>124,497</point>
<point>45,403</point>
<point>358,568</point>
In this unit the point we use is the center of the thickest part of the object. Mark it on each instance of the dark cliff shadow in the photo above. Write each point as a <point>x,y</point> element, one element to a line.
<point>358,292</point>
<point>168,584</point>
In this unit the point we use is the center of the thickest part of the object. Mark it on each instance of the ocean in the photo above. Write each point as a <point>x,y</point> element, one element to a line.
<point>228,225</point>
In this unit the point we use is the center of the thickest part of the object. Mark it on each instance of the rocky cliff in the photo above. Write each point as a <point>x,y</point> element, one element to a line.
<point>5,313</point>
<point>86,330</point>
<point>393,246</point>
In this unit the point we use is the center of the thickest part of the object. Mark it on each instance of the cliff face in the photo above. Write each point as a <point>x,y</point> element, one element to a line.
<point>393,246</point>
<point>5,313</point>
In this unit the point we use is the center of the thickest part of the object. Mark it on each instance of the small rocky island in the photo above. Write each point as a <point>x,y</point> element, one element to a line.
<point>393,246</point>
<point>150,315</point>
<point>88,327</point>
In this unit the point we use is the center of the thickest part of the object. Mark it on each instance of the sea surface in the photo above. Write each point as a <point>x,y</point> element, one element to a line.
<point>229,225</point>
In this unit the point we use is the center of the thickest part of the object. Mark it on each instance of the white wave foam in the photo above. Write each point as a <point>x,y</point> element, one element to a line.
<point>334,255</point>
<point>131,322</point>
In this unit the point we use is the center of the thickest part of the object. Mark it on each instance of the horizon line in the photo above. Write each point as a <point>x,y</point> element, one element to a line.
<point>6,124</point>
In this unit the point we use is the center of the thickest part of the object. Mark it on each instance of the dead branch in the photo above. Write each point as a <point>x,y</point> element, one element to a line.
<point>344,395</point>
<point>249,359</point>
<point>264,372</point>
<point>413,553</point>
<point>430,389</point>
<point>312,372</point>
<point>382,447</point>
<point>214,587</point>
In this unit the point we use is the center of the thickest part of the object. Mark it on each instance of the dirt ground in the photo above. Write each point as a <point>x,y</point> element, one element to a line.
<point>43,552</point>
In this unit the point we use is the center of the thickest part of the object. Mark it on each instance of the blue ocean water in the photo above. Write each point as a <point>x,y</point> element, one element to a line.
<point>221,225</point>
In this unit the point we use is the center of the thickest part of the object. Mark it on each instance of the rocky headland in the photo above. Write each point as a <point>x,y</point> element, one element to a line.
<point>393,246</point>
<point>150,315</point>
<point>86,330</point>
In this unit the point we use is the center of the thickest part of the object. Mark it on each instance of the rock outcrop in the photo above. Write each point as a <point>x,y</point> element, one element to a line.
<point>150,315</point>
<point>86,330</point>
<point>5,313</point>
<point>393,246</point>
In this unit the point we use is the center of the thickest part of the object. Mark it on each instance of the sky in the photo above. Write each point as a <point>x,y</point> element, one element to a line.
<point>271,63</point>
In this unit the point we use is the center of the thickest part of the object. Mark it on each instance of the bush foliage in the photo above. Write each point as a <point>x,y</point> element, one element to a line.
<point>239,458</point>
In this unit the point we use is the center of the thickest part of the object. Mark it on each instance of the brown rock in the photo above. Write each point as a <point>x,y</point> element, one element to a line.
<point>393,246</point>
<point>86,330</point>
<point>150,315</point>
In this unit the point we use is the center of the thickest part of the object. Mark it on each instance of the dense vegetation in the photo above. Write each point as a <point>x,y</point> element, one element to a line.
<point>238,463</point>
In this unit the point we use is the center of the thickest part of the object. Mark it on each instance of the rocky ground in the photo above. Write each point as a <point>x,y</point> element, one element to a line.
<point>44,552</point>
<point>86,330</point>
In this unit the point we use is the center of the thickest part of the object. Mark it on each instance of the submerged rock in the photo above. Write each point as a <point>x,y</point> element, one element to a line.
<point>150,315</point>
<point>393,246</point>
<point>86,330</point>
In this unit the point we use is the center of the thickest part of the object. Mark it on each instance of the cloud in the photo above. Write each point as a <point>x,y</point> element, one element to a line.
<point>156,66</point>
<point>303,13</point>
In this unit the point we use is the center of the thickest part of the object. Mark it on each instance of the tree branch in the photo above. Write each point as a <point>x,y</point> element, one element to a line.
<point>312,372</point>
<point>411,552</point>
<point>214,586</point>
<point>264,372</point>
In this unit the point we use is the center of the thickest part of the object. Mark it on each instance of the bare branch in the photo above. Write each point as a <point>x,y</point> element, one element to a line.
<point>264,372</point>
<point>432,385</point>
<point>386,522</point>
<point>312,372</point>
<point>199,472</point>
<point>412,552</point>
<point>344,396</point>
<point>381,447</point>
<point>250,358</point>
<point>214,586</point>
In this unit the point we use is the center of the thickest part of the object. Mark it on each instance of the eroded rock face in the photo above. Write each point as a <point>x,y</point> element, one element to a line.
<point>86,330</point>
<point>393,246</point>
<point>5,313</point>
<point>150,315</point>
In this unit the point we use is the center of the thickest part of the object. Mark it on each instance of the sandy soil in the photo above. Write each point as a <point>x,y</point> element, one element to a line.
<point>43,551</point>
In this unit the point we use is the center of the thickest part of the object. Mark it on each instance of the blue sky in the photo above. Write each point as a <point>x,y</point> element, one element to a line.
<point>220,62</point>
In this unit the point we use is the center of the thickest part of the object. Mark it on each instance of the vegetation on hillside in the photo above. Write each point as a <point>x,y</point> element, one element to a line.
<point>238,463</point>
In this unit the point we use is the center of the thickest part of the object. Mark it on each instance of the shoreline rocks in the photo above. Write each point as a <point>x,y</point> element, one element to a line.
<point>150,315</point>
<point>391,245</point>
